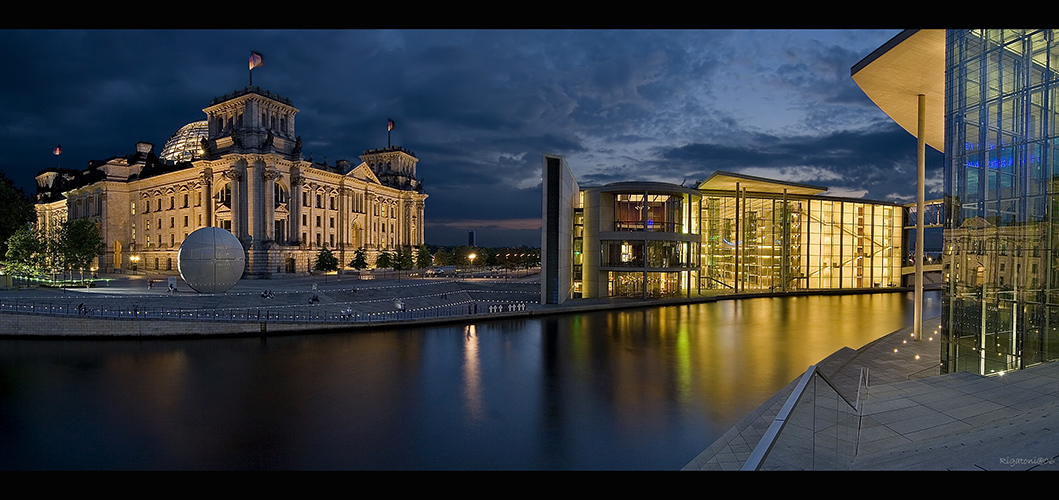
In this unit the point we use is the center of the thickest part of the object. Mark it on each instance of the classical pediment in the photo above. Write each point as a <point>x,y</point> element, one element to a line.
<point>364,173</point>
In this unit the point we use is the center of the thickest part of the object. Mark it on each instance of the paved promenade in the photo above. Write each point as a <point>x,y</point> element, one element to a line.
<point>126,305</point>
<point>914,419</point>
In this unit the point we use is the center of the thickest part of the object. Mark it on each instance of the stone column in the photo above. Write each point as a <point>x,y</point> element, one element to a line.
<point>206,190</point>
<point>369,220</point>
<point>419,223</point>
<point>270,177</point>
<point>344,208</point>
<point>233,175</point>
<point>295,206</point>
<point>254,212</point>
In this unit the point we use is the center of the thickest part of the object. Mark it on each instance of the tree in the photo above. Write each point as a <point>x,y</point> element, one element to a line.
<point>25,253</point>
<point>488,256</point>
<point>384,260</point>
<point>423,257</point>
<point>17,210</point>
<point>462,256</point>
<point>79,242</point>
<point>507,259</point>
<point>403,259</point>
<point>443,258</point>
<point>360,260</point>
<point>326,261</point>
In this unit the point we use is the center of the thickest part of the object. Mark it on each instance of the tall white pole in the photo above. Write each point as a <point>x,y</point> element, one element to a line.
<point>921,171</point>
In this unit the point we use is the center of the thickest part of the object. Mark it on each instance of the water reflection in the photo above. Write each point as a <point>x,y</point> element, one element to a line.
<point>636,389</point>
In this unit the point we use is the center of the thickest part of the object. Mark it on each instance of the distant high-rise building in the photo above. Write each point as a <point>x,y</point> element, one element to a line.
<point>471,241</point>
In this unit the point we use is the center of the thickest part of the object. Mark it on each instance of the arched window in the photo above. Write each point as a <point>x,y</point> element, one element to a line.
<point>280,194</point>
<point>224,195</point>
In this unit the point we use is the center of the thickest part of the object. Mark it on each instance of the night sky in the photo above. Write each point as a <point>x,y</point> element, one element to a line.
<point>480,107</point>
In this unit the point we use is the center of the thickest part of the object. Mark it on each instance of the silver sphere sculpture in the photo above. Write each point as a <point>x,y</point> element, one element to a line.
<point>211,260</point>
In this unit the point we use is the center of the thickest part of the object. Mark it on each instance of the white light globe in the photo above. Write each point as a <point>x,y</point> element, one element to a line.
<point>211,260</point>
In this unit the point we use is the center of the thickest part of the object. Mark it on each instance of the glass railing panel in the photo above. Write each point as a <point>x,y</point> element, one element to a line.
<point>818,432</point>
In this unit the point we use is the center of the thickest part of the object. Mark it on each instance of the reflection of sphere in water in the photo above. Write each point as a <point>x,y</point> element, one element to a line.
<point>211,260</point>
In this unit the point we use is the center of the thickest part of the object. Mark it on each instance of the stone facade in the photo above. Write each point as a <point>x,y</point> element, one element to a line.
<point>247,175</point>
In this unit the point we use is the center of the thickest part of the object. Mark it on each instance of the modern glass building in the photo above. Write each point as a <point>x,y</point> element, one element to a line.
<point>994,95</point>
<point>765,235</point>
<point>637,239</point>
<point>1002,306</point>
<point>730,234</point>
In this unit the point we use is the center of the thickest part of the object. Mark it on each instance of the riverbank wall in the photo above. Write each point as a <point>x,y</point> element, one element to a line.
<point>477,305</point>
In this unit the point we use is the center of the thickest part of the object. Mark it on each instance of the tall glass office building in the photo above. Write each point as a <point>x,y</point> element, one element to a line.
<point>1001,309</point>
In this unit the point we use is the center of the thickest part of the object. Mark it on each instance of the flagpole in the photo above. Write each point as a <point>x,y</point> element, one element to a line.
<point>256,59</point>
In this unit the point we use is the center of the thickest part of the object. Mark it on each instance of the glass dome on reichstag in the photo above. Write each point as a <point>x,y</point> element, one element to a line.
<point>184,145</point>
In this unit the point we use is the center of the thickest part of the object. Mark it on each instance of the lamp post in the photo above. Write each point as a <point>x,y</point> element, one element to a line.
<point>472,256</point>
<point>135,259</point>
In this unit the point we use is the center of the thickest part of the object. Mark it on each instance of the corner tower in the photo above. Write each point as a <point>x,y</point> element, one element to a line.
<point>251,120</point>
<point>394,166</point>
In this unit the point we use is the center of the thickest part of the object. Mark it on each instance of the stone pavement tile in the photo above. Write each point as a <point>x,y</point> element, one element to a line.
<point>1033,382</point>
<point>1021,442</point>
<point>1014,398</point>
<point>946,401</point>
<point>991,417</point>
<point>904,414</point>
<point>973,408</point>
<point>948,428</point>
<point>879,405</point>
<point>922,420</point>
<point>877,393</point>
<point>879,436</point>
<point>977,387</point>
<point>725,462</point>
<point>1032,400</point>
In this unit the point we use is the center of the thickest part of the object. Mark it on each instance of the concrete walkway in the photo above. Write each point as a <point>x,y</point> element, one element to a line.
<point>914,419</point>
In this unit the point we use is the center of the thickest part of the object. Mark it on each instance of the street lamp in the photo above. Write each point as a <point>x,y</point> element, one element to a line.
<point>472,256</point>
<point>135,259</point>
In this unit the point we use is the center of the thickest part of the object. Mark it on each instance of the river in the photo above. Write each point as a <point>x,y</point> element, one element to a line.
<point>639,389</point>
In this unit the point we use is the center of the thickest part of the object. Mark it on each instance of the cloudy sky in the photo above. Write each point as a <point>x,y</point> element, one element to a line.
<point>480,107</point>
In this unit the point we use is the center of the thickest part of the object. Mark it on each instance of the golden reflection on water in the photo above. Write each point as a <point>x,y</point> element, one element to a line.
<point>731,355</point>
<point>644,388</point>
<point>472,388</point>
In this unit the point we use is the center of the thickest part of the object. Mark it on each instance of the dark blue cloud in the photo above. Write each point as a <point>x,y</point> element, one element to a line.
<point>479,107</point>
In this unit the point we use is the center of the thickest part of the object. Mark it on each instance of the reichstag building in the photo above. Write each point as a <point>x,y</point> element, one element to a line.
<point>240,169</point>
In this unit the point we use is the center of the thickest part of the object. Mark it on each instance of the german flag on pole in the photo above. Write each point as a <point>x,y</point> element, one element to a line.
<point>58,150</point>
<point>256,59</point>
<point>389,125</point>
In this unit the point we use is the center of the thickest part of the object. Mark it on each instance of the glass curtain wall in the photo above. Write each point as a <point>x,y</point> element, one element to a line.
<point>757,242</point>
<point>659,258</point>
<point>1000,310</point>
